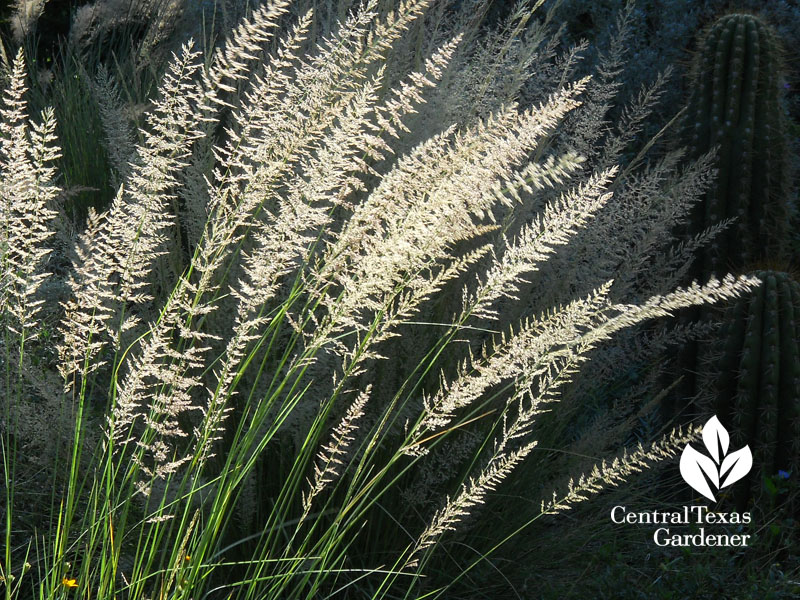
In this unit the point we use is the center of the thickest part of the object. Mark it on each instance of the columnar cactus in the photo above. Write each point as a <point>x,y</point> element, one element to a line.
<point>735,107</point>
<point>756,379</point>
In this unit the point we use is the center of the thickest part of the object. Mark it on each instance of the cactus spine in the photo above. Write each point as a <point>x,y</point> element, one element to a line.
<point>756,384</point>
<point>735,107</point>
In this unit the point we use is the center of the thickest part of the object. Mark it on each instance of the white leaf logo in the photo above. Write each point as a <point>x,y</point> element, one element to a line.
<point>698,470</point>
<point>739,463</point>
<point>693,465</point>
<point>715,436</point>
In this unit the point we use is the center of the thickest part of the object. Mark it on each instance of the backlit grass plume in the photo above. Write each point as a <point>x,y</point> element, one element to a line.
<point>290,216</point>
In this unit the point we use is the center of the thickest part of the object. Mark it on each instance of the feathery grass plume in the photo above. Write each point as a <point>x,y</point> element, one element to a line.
<point>120,246</point>
<point>541,362</point>
<point>27,211</point>
<point>537,240</point>
<point>239,199</point>
<point>472,494</point>
<point>24,17</point>
<point>330,456</point>
<point>119,138</point>
<point>230,67</point>
<point>621,467</point>
<point>96,19</point>
<point>643,210</point>
<point>269,140</point>
<point>281,240</point>
<point>581,130</point>
<point>491,66</point>
<point>510,357</point>
<point>390,233</point>
<point>324,217</point>
<point>327,175</point>
<point>648,200</point>
<point>27,189</point>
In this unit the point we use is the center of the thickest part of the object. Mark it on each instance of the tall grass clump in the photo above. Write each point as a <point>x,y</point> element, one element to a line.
<point>294,361</point>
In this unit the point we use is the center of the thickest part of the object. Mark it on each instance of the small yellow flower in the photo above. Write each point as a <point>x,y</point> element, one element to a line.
<point>70,583</point>
<point>187,557</point>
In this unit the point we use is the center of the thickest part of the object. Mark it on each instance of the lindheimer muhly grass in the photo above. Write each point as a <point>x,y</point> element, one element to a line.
<point>204,416</point>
